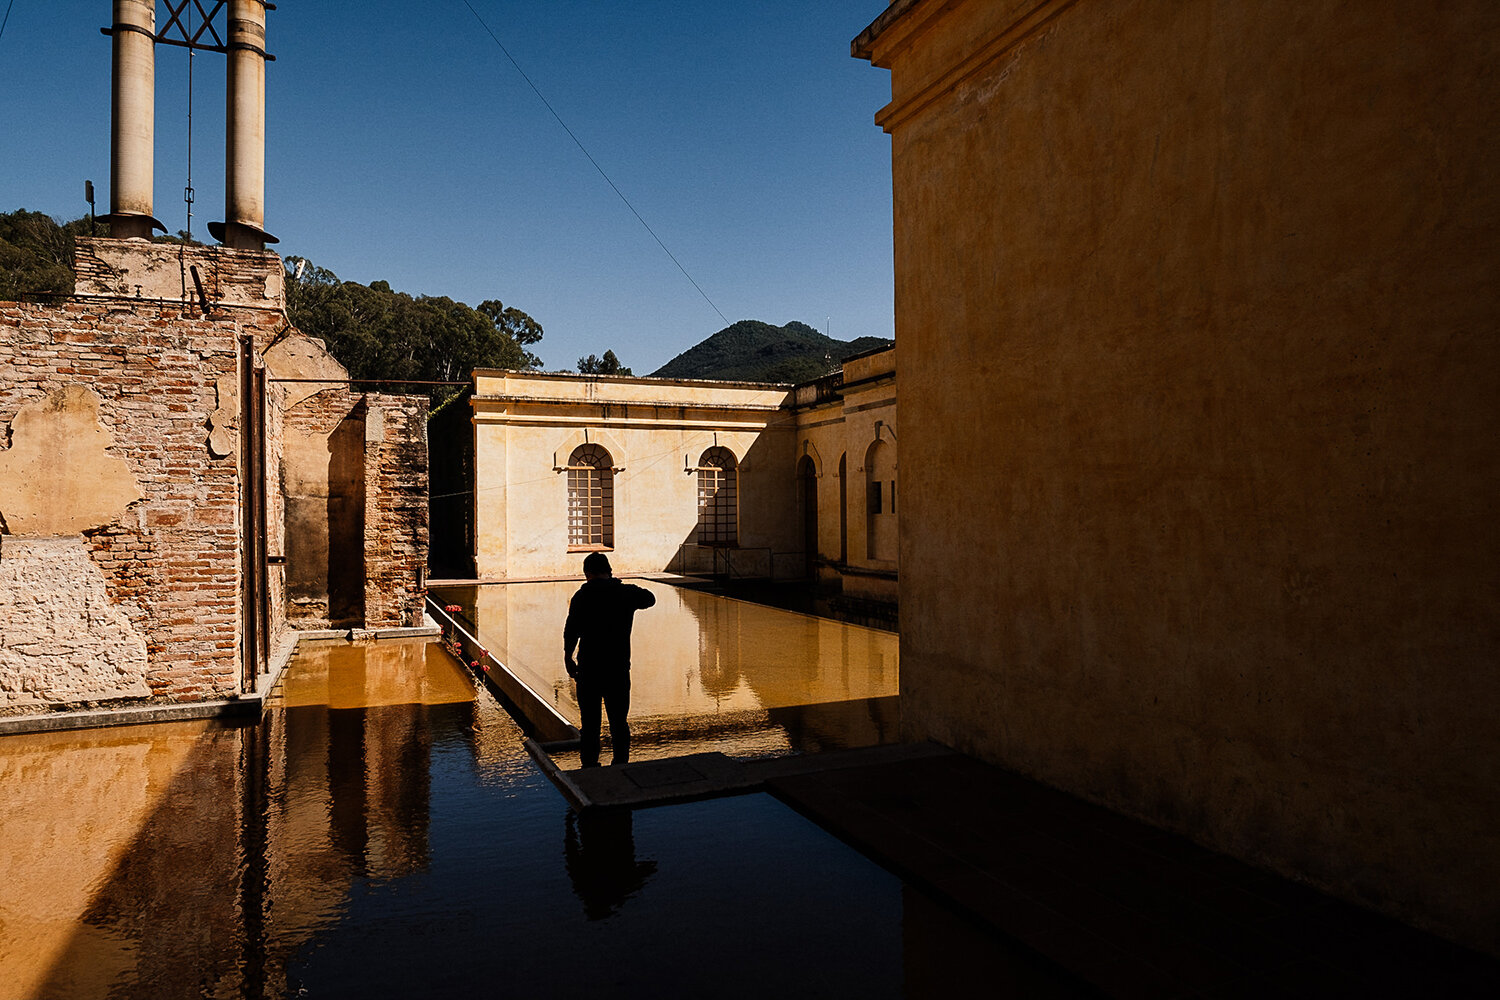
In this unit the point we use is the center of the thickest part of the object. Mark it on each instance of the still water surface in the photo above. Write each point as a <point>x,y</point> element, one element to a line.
<point>707,673</point>
<point>383,834</point>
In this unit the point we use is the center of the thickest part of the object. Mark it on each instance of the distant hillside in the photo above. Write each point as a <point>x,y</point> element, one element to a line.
<point>752,351</point>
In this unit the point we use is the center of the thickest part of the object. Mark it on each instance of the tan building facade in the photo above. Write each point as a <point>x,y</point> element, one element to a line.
<point>744,480</point>
<point>1215,283</point>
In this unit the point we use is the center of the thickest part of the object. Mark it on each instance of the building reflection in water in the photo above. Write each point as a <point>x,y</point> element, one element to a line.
<point>383,833</point>
<point>709,672</point>
<point>227,847</point>
<point>599,852</point>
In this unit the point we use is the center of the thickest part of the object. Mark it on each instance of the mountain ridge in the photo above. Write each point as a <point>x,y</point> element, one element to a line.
<point>755,351</point>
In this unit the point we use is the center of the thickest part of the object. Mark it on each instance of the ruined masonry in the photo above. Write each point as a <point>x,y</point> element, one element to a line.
<point>125,559</point>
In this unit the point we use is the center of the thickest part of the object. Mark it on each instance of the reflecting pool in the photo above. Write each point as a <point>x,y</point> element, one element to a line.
<point>708,672</point>
<point>382,833</point>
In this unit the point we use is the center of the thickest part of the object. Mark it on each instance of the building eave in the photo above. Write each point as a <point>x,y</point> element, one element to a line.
<point>863,46</point>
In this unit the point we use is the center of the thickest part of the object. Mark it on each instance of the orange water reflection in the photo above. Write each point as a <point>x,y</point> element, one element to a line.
<point>708,672</point>
<point>192,859</point>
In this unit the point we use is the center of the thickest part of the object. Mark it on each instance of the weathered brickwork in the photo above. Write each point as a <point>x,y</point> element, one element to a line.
<point>171,561</point>
<point>135,592</point>
<point>356,488</point>
<point>124,269</point>
<point>396,528</point>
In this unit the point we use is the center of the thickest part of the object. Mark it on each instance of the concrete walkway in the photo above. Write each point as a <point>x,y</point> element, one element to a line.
<point>1124,907</point>
<point>700,775</point>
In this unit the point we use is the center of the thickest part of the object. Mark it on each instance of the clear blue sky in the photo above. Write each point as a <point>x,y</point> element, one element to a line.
<point>403,145</point>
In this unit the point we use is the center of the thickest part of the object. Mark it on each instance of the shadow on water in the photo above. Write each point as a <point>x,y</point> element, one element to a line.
<point>599,851</point>
<point>383,834</point>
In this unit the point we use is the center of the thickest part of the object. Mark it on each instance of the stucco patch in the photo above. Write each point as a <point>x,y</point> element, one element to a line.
<point>223,422</point>
<point>299,357</point>
<point>57,478</point>
<point>63,640</point>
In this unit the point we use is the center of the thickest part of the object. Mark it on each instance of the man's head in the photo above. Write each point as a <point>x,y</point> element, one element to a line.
<point>596,565</point>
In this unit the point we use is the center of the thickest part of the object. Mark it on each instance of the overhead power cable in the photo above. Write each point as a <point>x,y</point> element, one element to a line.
<point>576,141</point>
<point>7,17</point>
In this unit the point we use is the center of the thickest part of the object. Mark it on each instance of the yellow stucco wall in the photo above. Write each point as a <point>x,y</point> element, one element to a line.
<point>1210,289</point>
<point>849,427</point>
<point>526,425</point>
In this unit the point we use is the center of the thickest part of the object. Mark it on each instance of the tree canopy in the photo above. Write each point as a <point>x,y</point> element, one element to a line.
<point>36,253</point>
<point>379,333</point>
<point>607,365</point>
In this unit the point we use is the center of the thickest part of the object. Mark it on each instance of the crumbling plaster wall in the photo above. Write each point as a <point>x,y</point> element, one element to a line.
<point>396,510</point>
<point>124,600</point>
<point>120,547</point>
<point>355,484</point>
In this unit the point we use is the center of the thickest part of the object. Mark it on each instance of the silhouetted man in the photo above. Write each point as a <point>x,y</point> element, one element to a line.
<point>599,619</point>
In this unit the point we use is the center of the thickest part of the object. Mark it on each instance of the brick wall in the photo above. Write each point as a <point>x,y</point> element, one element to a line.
<point>171,560</point>
<point>142,601</point>
<point>396,527</point>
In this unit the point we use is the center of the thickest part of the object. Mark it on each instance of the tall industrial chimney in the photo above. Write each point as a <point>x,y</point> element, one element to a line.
<point>245,130</point>
<point>133,120</point>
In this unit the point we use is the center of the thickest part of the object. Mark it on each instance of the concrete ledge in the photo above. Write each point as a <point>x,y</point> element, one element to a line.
<point>544,720</point>
<point>704,775</point>
<point>247,707</point>
<point>429,629</point>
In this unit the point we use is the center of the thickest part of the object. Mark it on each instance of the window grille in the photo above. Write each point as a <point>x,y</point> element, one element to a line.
<point>718,498</point>
<point>591,498</point>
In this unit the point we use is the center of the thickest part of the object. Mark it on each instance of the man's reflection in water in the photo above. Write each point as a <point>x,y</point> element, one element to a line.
<point>599,850</point>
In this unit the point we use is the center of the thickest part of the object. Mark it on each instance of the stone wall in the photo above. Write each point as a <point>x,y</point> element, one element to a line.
<point>396,514</point>
<point>323,478</point>
<point>355,482</point>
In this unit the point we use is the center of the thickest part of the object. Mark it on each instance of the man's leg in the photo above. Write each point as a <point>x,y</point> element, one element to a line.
<point>588,729</point>
<point>617,704</point>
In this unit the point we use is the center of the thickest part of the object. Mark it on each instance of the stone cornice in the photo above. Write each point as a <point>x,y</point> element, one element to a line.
<point>620,404</point>
<point>904,23</point>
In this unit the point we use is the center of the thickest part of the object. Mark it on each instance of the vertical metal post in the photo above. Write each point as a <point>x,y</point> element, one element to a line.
<point>262,542</point>
<point>250,655</point>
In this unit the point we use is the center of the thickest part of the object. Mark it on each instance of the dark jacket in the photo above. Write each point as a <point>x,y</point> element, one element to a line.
<point>599,619</point>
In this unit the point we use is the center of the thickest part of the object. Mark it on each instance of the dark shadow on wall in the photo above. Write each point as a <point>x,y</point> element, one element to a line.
<point>451,488</point>
<point>767,542</point>
<point>346,519</point>
<point>325,536</point>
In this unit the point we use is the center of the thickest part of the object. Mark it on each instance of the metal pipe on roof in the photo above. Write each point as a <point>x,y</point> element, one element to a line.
<point>132,120</point>
<point>245,130</point>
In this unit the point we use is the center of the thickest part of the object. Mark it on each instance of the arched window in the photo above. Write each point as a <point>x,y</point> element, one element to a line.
<point>718,498</point>
<point>843,508</point>
<point>807,489</point>
<point>880,501</point>
<point>591,498</point>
